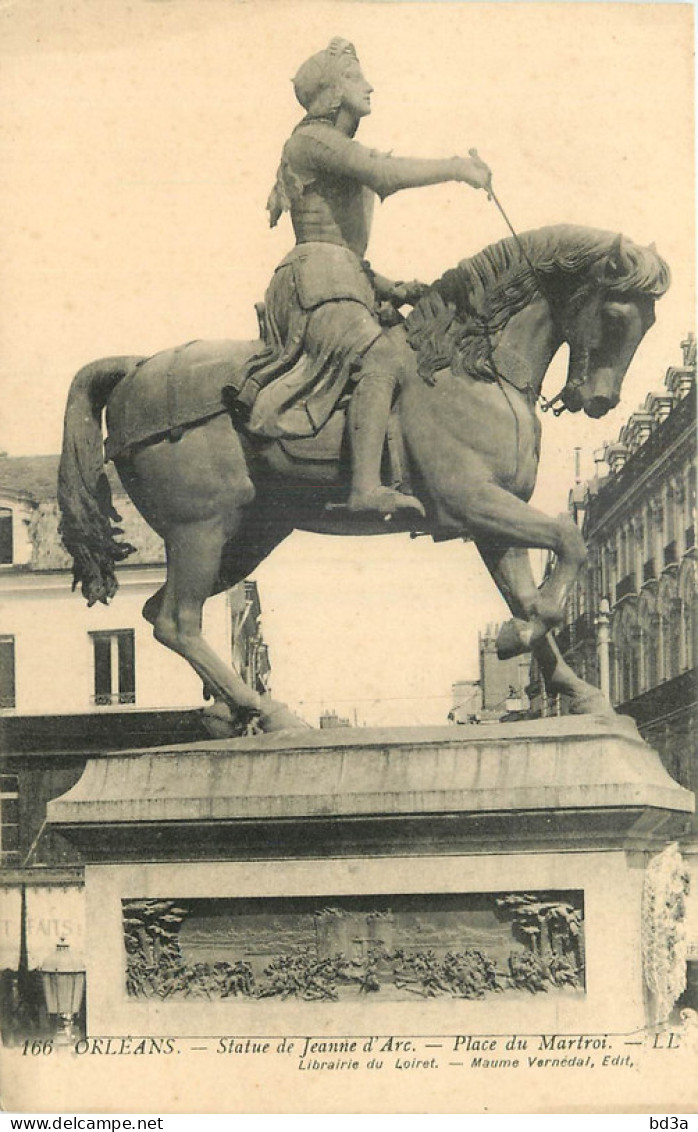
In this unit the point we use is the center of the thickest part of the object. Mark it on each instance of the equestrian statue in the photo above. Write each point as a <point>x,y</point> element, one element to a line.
<point>345,417</point>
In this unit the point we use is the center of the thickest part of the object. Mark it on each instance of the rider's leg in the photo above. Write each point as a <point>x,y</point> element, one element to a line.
<point>369,414</point>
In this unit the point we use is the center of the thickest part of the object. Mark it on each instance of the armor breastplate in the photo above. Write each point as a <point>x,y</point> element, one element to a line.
<point>334,211</point>
<point>327,196</point>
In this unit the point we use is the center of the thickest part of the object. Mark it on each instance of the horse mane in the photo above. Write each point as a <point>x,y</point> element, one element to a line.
<point>456,323</point>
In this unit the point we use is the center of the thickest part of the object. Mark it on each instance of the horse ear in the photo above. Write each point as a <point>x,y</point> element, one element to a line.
<point>618,263</point>
<point>653,247</point>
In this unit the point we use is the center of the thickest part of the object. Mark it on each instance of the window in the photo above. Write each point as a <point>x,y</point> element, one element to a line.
<point>605,587</point>
<point>670,515</point>
<point>689,631</point>
<point>623,553</point>
<point>675,627</point>
<point>115,667</point>
<point>690,502</point>
<point>7,672</point>
<point>647,536</point>
<point>9,819</point>
<point>6,543</point>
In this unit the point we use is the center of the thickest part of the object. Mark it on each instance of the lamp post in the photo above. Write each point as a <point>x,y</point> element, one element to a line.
<point>603,640</point>
<point>63,979</point>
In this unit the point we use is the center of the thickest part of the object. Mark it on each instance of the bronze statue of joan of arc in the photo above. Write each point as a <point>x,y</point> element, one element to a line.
<point>321,308</point>
<point>465,420</point>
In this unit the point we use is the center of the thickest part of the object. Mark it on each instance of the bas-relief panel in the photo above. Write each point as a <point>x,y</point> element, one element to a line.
<point>463,945</point>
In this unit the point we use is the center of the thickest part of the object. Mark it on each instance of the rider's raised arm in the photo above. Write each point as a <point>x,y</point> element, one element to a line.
<point>319,149</point>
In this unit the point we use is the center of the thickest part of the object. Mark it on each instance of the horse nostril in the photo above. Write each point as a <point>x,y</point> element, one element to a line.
<point>571,399</point>
<point>597,406</point>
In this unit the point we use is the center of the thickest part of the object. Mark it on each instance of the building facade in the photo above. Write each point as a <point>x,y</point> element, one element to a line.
<point>78,683</point>
<point>630,622</point>
<point>638,518</point>
<point>329,720</point>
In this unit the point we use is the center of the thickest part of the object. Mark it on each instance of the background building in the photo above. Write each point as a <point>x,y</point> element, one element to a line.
<point>501,689</point>
<point>329,719</point>
<point>638,519</point>
<point>630,622</point>
<point>78,683</point>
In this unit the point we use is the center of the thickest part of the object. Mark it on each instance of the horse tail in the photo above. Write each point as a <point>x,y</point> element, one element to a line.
<point>84,493</point>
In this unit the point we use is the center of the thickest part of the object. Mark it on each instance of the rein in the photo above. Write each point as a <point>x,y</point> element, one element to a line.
<point>545,403</point>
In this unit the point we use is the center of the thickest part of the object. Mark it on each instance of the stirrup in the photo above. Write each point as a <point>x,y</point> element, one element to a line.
<point>382,506</point>
<point>407,517</point>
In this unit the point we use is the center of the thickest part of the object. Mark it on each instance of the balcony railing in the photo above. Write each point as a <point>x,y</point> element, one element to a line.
<point>670,555</point>
<point>104,699</point>
<point>626,586</point>
<point>649,570</point>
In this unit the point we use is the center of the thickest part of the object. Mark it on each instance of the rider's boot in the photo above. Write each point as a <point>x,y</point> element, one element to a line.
<point>369,414</point>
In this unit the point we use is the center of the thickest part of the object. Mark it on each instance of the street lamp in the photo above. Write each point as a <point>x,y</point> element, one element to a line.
<point>63,979</point>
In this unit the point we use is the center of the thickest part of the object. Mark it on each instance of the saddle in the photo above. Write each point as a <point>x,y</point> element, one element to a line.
<point>170,391</point>
<point>181,387</point>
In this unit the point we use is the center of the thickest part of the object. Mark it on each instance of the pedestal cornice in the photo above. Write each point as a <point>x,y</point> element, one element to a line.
<point>487,788</point>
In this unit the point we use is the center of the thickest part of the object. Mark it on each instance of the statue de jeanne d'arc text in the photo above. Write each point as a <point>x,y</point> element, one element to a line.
<point>347,417</point>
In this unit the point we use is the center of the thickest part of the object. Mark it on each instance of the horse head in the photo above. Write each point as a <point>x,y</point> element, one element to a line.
<point>600,290</point>
<point>604,321</point>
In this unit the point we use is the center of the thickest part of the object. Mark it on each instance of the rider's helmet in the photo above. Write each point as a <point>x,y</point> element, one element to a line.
<point>317,81</point>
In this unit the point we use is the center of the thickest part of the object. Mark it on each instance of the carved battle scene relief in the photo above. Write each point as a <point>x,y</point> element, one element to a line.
<point>395,948</point>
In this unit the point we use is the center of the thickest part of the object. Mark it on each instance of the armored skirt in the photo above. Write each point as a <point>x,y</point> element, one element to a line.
<point>319,324</point>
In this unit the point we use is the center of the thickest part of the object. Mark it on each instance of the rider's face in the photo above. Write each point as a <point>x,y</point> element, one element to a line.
<point>355,91</point>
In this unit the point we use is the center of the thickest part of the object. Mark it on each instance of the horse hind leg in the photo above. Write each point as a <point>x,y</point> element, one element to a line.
<point>193,561</point>
<point>152,606</point>
<point>150,612</point>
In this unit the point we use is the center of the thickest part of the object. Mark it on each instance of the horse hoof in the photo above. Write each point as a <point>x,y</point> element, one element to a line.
<point>592,703</point>
<point>220,723</point>
<point>514,637</point>
<point>279,717</point>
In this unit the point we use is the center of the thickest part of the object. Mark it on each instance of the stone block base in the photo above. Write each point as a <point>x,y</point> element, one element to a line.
<point>460,880</point>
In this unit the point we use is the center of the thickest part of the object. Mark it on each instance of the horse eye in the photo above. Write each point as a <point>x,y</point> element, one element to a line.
<point>615,321</point>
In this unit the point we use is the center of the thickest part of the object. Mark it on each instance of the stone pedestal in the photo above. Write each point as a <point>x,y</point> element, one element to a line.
<point>475,879</point>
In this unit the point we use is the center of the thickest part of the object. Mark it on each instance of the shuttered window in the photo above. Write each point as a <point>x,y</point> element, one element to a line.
<point>6,540</point>
<point>114,667</point>
<point>9,819</point>
<point>7,672</point>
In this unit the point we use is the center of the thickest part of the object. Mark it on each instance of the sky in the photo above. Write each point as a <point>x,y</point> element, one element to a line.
<point>138,144</point>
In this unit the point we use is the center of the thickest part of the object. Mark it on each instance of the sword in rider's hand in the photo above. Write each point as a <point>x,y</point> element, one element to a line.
<point>491,195</point>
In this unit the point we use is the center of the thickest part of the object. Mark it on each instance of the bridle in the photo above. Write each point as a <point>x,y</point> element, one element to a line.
<point>556,404</point>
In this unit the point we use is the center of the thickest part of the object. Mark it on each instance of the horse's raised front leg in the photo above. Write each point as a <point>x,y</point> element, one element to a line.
<point>499,520</point>
<point>194,552</point>
<point>511,571</point>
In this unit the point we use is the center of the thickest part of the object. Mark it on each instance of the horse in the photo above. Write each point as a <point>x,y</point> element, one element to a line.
<point>475,348</point>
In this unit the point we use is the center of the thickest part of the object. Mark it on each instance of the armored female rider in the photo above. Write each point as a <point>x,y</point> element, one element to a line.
<point>321,329</point>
